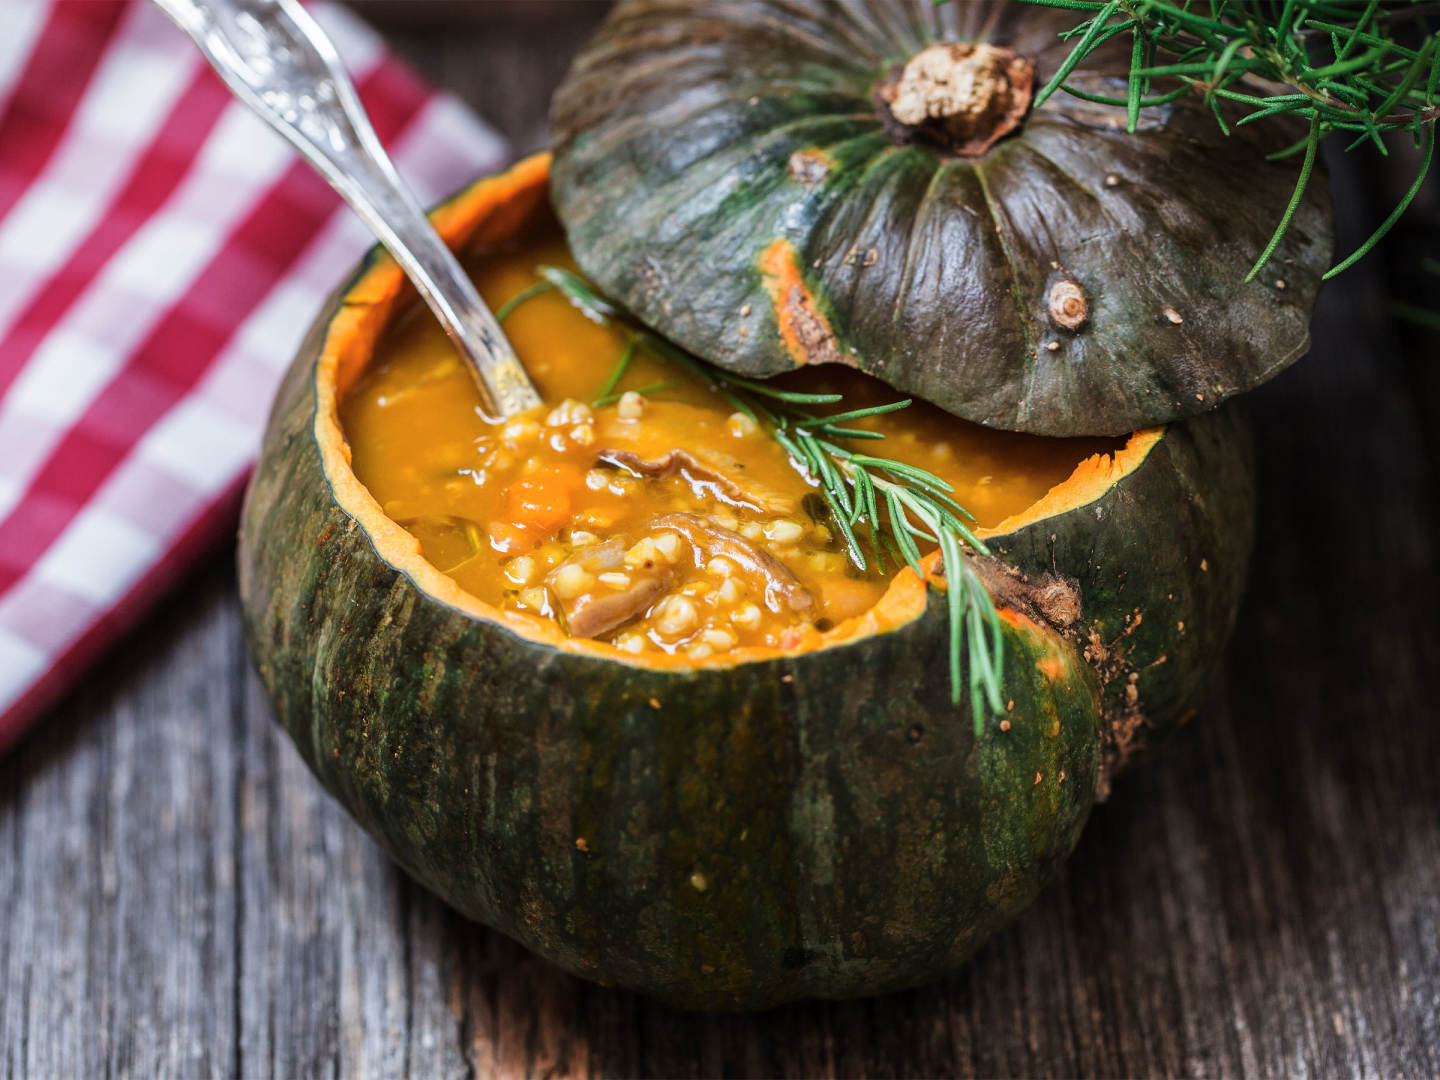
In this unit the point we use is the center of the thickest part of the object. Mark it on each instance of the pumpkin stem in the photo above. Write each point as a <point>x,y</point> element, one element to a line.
<point>961,95</point>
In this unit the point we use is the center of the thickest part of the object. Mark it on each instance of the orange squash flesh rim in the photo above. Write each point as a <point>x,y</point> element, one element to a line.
<point>491,211</point>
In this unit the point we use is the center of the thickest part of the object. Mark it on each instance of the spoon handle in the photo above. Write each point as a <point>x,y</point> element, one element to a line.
<point>277,60</point>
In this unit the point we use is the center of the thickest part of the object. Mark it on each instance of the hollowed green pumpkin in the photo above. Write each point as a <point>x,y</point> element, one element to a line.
<point>728,170</point>
<point>727,835</point>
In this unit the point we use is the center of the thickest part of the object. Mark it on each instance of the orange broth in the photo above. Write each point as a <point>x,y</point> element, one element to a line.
<point>581,511</point>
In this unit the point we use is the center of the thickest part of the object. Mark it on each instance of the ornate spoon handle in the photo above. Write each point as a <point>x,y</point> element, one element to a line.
<point>278,61</point>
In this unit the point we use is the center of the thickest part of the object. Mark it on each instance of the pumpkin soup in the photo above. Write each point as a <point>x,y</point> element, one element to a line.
<point>639,507</point>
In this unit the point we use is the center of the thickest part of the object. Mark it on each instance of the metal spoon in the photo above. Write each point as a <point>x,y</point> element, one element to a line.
<point>276,60</point>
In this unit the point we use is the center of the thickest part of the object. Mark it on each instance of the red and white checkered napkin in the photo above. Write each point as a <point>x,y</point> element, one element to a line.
<point>161,255</point>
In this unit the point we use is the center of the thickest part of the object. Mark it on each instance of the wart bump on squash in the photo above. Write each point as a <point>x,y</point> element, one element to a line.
<point>1067,305</point>
<point>809,167</point>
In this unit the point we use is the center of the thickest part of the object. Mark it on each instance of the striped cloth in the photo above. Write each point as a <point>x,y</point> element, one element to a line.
<point>161,254</point>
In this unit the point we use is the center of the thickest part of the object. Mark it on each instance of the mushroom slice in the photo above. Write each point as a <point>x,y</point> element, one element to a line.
<point>702,477</point>
<point>783,590</point>
<point>590,607</point>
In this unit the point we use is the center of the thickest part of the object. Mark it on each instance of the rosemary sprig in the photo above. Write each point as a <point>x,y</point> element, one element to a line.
<point>894,503</point>
<point>1368,67</point>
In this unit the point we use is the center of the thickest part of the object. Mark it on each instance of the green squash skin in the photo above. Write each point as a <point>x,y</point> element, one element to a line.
<point>678,133</point>
<point>826,825</point>
<point>1160,611</point>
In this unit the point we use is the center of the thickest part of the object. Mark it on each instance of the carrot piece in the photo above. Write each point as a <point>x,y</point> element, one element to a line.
<point>842,597</point>
<point>507,539</point>
<point>541,502</point>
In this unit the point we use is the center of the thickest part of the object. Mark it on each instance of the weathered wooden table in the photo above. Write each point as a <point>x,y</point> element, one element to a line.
<point>178,897</point>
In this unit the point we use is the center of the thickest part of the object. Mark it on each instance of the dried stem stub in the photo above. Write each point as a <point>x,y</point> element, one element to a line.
<point>961,95</point>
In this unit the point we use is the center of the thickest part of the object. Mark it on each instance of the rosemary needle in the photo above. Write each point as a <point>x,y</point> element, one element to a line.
<point>607,391</point>
<point>519,298</point>
<point>653,388</point>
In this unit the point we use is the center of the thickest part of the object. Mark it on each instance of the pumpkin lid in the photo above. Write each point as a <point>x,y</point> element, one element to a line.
<point>773,183</point>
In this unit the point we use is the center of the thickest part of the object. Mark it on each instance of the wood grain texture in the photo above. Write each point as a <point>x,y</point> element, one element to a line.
<point>179,898</point>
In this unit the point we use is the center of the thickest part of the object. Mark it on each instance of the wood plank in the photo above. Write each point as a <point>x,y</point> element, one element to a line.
<point>117,941</point>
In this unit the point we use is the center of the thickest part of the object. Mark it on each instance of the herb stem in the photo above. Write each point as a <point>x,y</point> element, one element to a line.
<point>519,298</point>
<point>615,376</point>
